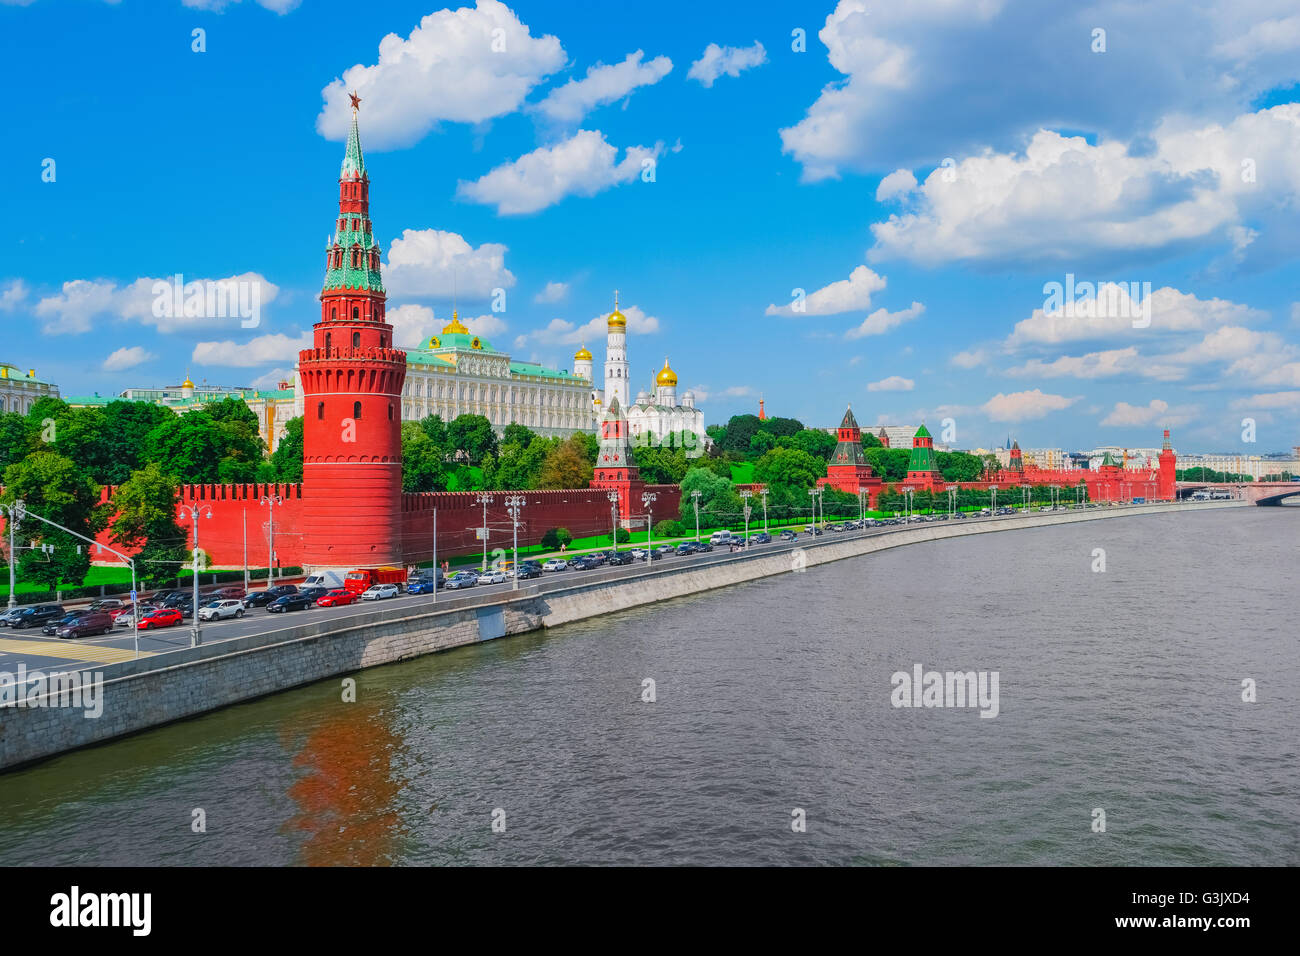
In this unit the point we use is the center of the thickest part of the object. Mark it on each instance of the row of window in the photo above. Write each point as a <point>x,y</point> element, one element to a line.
<point>354,225</point>
<point>356,411</point>
<point>356,338</point>
<point>510,394</point>
<point>335,258</point>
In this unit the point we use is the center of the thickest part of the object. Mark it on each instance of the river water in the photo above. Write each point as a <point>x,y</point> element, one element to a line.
<point>1118,690</point>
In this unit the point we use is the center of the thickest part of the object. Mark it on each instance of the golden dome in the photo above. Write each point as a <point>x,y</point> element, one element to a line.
<point>187,383</point>
<point>582,355</point>
<point>617,320</point>
<point>454,325</point>
<point>666,375</point>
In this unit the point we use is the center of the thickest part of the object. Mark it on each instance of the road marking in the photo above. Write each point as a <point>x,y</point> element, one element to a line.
<point>73,651</point>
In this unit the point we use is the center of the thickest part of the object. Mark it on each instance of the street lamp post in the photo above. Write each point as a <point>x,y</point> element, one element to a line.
<point>907,495</point>
<point>812,505</point>
<point>195,512</point>
<point>647,501</point>
<point>952,499</point>
<point>745,496</point>
<point>269,501</point>
<point>763,491</point>
<point>14,513</point>
<point>695,500</point>
<point>993,501</point>
<point>613,516</point>
<point>485,500</point>
<point>515,505</point>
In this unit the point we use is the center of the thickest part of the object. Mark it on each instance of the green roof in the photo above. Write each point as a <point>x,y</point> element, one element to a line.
<point>1108,461</point>
<point>922,433</point>
<point>458,340</point>
<point>530,368</point>
<point>354,164</point>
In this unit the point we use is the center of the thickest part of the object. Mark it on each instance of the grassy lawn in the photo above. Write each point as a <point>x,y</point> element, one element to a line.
<point>465,478</point>
<point>743,474</point>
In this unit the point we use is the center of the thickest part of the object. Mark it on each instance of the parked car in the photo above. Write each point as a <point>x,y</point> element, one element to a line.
<point>616,559</point>
<point>229,593</point>
<point>761,538</point>
<point>37,615</point>
<point>524,572</point>
<point>336,598</point>
<point>555,564</point>
<point>216,610</point>
<point>421,585</point>
<point>686,547</point>
<point>108,604</point>
<point>126,618</point>
<point>51,627</point>
<point>183,604</point>
<point>462,579</point>
<point>313,594</point>
<point>492,576</point>
<point>86,625</point>
<point>293,601</point>
<point>117,612</point>
<point>160,617</point>
<point>265,598</point>
<point>379,592</point>
<point>7,617</point>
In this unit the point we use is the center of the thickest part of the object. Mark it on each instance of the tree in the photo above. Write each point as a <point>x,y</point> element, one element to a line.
<point>740,429</point>
<point>789,466</point>
<point>198,449</point>
<point>47,407</point>
<point>472,436</point>
<point>719,502</point>
<point>815,442</point>
<point>521,466</point>
<point>555,538</point>
<point>763,441</point>
<point>286,460</point>
<point>959,465</point>
<point>661,466</point>
<point>566,466</point>
<point>55,488</point>
<point>591,445</point>
<point>19,437</point>
<point>776,427</point>
<point>622,536</point>
<point>514,434</point>
<point>889,463</point>
<point>422,466</point>
<point>436,429</point>
<point>669,528</point>
<point>146,519</point>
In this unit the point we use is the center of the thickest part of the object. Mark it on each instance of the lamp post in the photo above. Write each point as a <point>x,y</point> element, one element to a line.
<point>812,506</point>
<point>763,491</point>
<point>515,505</point>
<point>269,501</point>
<point>695,501</point>
<point>195,512</point>
<point>993,501</point>
<point>647,501</point>
<point>244,525</point>
<point>14,513</point>
<point>745,496</point>
<point>952,499</point>
<point>907,496</point>
<point>613,516</point>
<point>485,500</point>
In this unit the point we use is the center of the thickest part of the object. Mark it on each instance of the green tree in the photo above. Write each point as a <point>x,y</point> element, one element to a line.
<point>959,465</point>
<point>521,466</point>
<point>661,466</point>
<point>436,429</point>
<point>473,437</point>
<point>48,407</point>
<point>670,528</point>
<point>815,442</point>
<point>789,466</point>
<point>719,503</point>
<point>740,430</point>
<point>53,487</point>
<point>146,520</point>
<point>889,463</point>
<point>566,466</point>
<point>762,442</point>
<point>515,434</point>
<point>286,460</point>
<point>19,437</point>
<point>422,465</point>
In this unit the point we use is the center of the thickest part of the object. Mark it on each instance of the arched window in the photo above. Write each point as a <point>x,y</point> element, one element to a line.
<point>334,313</point>
<point>390,411</point>
<point>356,411</point>
<point>328,337</point>
<point>320,411</point>
<point>383,341</point>
<point>356,340</point>
<point>356,312</point>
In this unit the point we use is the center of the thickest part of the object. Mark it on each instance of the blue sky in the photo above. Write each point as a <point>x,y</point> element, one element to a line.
<point>921,170</point>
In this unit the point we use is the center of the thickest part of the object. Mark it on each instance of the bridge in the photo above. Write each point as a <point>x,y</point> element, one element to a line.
<point>1263,493</point>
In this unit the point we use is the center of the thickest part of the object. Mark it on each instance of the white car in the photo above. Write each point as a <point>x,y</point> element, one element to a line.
<point>220,609</point>
<point>491,577</point>
<point>377,592</point>
<point>126,620</point>
<point>555,564</point>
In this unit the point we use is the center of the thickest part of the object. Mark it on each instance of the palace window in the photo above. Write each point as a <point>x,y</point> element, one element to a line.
<point>356,312</point>
<point>356,340</point>
<point>356,411</point>
<point>320,411</point>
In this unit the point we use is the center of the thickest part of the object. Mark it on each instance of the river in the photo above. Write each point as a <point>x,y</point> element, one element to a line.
<point>1118,691</point>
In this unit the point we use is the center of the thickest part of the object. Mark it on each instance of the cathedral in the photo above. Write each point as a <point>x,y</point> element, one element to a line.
<point>654,414</point>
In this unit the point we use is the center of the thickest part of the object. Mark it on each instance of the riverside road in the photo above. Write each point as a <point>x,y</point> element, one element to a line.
<point>49,654</point>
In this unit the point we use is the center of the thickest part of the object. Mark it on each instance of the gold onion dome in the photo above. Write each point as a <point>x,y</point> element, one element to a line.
<point>617,320</point>
<point>187,383</point>
<point>454,325</point>
<point>582,355</point>
<point>666,375</point>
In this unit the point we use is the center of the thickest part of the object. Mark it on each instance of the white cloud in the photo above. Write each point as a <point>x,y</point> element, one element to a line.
<point>971,358</point>
<point>451,68</point>
<point>1279,400</point>
<point>882,320</point>
<point>603,84</point>
<point>272,379</point>
<point>1233,187</point>
<point>261,350</point>
<point>436,264</point>
<point>552,293</point>
<point>564,332</point>
<point>13,295</point>
<point>127,357</point>
<point>917,59</point>
<point>1171,311</point>
<point>717,60</point>
<point>844,295</point>
<point>898,183</point>
<point>582,165</point>
<point>1295,312</point>
<point>1023,406</point>
<point>413,324</point>
<point>736,391</point>
<point>1156,412</point>
<point>894,383</point>
<point>219,6</point>
<point>80,301</point>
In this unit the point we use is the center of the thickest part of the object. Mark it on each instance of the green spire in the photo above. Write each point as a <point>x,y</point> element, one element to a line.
<point>1108,461</point>
<point>922,432</point>
<point>354,164</point>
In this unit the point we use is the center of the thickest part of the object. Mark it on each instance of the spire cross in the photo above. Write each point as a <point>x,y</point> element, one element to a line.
<point>615,300</point>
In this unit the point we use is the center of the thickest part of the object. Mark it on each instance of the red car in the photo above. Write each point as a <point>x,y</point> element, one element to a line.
<point>335,597</point>
<point>162,617</point>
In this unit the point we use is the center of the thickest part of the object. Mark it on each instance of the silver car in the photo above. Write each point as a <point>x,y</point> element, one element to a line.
<point>217,610</point>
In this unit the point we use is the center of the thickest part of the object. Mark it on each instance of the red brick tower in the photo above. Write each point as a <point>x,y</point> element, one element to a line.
<point>616,468</point>
<point>922,467</point>
<point>352,392</point>
<point>883,438</point>
<point>1168,483</point>
<point>847,469</point>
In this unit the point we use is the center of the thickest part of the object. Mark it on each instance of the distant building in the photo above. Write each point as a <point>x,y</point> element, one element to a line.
<point>19,391</point>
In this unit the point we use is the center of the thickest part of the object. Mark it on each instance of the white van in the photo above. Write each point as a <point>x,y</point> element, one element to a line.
<point>324,579</point>
<point>720,537</point>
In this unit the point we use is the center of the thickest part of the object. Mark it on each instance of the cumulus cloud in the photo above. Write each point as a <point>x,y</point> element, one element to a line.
<point>1193,184</point>
<point>882,320</point>
<point>13,294</point>
<point>844,295</point>
<point>413,324</point>
<point>219,6</point>
<point>260,350</point>
<point>1171,311</point>
<point>436,264</point>
<point>127,357</point>
<point>564,332</point>
<point>465,65</point>
<point>1156,412</point>
<point>582,165</point>
<point>902,61</point>
<point>1024,406</point>
<point>898,183</point>
<point>271,379</point>
<point>717,60</point>
<point>204,305</point>
<point>894,383</point>
<point>1269,400</point>
<point>970,358</point>
<point>603,84</point>
<point>552,293</point>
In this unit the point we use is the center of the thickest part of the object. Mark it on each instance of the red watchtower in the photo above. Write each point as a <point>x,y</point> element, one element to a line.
<point>352,392</point>
<point>1168,480</point>
<point>847,469</point>
<point>616,468</point>
<point>922,467</point>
